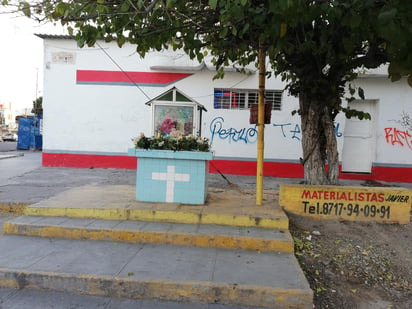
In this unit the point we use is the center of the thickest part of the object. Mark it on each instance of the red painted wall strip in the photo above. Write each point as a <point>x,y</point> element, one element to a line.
<point>161,78</point>
<point>88,161</point>
<point>275,169</point>
<point>272,169</point>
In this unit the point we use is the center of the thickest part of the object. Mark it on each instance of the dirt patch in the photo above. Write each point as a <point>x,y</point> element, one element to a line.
<point>355,264</point>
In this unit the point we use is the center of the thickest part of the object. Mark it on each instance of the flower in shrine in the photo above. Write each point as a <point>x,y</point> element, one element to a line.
<point>167,126</point>
<point>178,142</point>
<point>175,133</point>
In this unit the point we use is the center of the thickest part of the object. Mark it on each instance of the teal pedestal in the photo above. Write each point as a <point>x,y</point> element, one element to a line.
<point>171,176</point>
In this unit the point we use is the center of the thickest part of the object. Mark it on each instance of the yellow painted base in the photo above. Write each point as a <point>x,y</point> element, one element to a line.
<point>183,239</point>
<point>153,215</point>
<point>188,291</point>
<point>223,207</point>
<point>16,208</point>
<point>385,205</point>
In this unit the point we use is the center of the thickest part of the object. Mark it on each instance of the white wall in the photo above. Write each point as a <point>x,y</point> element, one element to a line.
<point>104,118</point>
<point>394,104</point>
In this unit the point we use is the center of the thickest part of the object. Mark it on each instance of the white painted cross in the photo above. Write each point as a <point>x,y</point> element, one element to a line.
<point>171,177</point>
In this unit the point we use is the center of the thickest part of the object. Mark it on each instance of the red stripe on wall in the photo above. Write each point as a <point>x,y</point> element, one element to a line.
<point>272,169</point>
<point>275,169</point>
<point>88,161</point>
<point>384,173</point>
<point>161,78</point>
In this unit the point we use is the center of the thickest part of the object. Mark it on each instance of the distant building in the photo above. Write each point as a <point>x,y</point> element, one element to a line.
<point>7,117</point>
<point>97,99</point>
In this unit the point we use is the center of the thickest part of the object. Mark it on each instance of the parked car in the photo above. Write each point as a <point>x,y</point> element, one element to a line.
<point>11,137</point>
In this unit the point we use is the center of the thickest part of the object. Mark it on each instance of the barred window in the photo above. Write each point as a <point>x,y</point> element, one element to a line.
<point>243,99</point>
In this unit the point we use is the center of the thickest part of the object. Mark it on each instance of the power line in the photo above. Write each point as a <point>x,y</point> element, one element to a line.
<point>138,87</point>
<point>123,71</point>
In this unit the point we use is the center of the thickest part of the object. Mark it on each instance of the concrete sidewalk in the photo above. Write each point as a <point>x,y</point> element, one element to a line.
<point>12,155</point>
<point>228,251</point>
<point>94,238</point>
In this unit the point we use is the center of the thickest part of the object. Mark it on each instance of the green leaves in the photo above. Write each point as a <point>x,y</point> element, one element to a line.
<point>350,113</point>
<point>25,8</point>
<point>386,16</point>
<point>175,143</point>
<point>121,40</point>
<point>60,9</point>
<point>124,7</point>
<point>361,93</point>
<point>352,19</point>
<point>285,4</point>
<point>352,91</point>
<point>170,3</point>
<point>213,4</point>
<point>396,71</point>
<point>244,30</point>
<point>223,32</point>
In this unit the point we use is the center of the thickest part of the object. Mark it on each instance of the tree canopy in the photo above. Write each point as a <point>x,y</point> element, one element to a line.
<point>38,106</point>
<point>316,46</point>
<point>343,30</point>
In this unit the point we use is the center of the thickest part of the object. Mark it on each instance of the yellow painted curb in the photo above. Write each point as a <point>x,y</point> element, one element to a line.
<point>184,239</point>
<point>167,290</point>
<point>94,213</point>
<point>174,216</point>
<point>16,208</point>
<point>246,221</point>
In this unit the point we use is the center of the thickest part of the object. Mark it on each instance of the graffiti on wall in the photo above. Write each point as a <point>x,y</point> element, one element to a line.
<point>294,132</point>
<point>400,137</point>
<point>249,135</point>
<point>405,120</point>
<point>245,135</point>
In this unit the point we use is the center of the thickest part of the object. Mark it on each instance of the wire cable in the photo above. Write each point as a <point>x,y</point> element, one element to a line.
<point>123,71</point>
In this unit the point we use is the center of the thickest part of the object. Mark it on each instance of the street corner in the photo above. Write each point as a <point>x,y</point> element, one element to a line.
<point>9,155</point>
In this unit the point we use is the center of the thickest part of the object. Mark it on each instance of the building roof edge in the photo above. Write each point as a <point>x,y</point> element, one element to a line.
<point>45,36</point>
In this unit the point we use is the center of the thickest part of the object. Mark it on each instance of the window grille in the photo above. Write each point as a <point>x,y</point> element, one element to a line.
<point>243,99</point>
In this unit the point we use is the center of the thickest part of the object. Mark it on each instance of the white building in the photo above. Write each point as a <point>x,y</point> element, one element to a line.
<point>7,117</point>
<point>95,102</point>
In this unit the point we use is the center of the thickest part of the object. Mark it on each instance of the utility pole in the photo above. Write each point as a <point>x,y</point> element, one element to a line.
<point>37,84</point>
<point>261,126</point>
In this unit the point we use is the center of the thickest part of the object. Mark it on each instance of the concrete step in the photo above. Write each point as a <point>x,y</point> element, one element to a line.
<point>154,271</point>
<point>199,235</point>
<point>31,299</point>
<point>118,202</point>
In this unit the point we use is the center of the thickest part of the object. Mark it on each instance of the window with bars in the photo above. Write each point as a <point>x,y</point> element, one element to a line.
<point>243,99</point>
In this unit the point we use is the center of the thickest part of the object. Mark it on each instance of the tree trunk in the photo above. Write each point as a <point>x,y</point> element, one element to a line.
<point>331,148</point>
<point>318,143</point>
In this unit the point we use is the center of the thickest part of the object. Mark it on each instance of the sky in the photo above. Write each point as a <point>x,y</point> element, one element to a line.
<point>21,60</point>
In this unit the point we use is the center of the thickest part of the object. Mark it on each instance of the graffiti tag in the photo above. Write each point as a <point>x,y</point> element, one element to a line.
<point>246,135</point>
<point>296,132</point>
<point>394,136</point>
<point>405,120</point>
